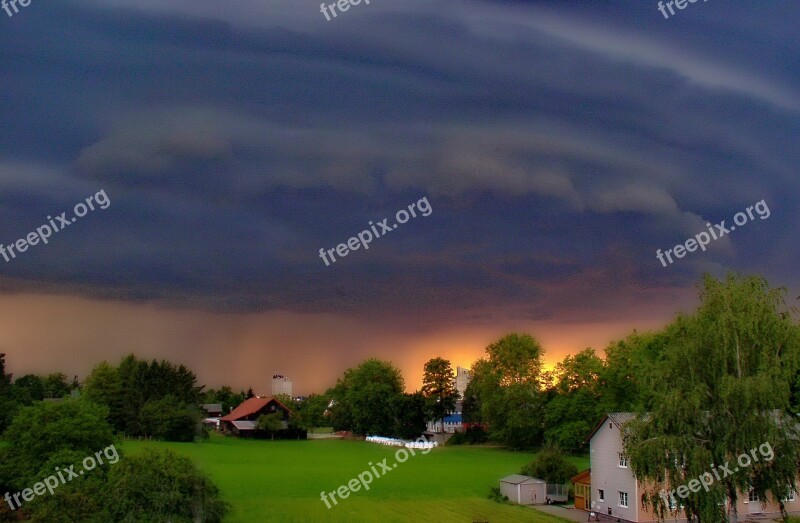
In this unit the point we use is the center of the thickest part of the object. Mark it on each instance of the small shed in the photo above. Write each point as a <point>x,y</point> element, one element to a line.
<point>524,490</point>
<point>583,489</point>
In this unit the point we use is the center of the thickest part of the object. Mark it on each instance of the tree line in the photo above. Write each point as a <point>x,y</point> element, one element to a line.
<point>510,397</point>
<point>520,404</point>
<point>707,386</point>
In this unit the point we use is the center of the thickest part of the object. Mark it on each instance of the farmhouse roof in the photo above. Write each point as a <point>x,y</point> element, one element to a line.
<point>244,425</point>
<point>250,406</point>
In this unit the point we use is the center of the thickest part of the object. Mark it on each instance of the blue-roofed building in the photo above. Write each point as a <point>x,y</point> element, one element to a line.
<point>453,423</point>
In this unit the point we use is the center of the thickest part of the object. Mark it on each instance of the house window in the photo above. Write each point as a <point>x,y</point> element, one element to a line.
<point>790,498</point>
<point>623,499</point>
<point>623,460</point>
<point>601,496</point>
<point>752,497</point>
<point>678,459</point>
<point>674,505</point>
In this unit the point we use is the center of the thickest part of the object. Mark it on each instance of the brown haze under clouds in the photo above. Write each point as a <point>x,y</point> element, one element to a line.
<point>43,334</point>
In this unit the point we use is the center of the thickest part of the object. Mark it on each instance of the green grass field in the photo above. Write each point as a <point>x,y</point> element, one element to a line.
<point>281,481</point>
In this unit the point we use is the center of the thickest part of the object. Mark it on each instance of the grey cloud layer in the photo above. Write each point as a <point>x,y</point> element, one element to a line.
<point>237,140</point>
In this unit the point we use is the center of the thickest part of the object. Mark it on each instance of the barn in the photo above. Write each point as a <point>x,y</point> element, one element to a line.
<point>242,421</point>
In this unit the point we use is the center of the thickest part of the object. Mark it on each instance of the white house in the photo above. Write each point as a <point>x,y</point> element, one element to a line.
<point>615,492</point>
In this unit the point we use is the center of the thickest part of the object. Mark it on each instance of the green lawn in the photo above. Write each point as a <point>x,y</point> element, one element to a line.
<point>281,481</point>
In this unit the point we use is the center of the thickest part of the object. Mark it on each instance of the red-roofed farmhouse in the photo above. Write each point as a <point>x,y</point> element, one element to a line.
<point>243,419</point>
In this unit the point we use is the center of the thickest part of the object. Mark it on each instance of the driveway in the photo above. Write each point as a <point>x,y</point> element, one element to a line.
<point>563,512</point>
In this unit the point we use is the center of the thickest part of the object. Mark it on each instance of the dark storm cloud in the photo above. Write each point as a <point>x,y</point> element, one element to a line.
<point>560,144</point>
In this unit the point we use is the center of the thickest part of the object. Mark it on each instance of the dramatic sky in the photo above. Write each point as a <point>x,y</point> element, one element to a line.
<point>559,145</point>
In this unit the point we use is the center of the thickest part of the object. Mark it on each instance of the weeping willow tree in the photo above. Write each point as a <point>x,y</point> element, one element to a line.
<point>721,389</point>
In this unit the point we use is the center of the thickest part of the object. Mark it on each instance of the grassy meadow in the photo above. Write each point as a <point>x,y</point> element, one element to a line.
<point>281,481</point>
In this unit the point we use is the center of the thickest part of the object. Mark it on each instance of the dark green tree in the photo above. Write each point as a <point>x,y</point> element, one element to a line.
<point>721,389</point>
<point>142,382</point>
<point>168,419</point>
<point>627,371</point>
<point>28,388</point>
<point>363,398</point>
<point>574,404</point>
<point>286,400</point>
<point>55,385</point>
<point>225,397</point>
<point>104,386</point>
<point>517,358</point>
<point>409,415</point>
<point>438,389</point>
<point>482,384</point>
<point>312,411</point>
<point>8,405</point>
<point>271,423</point>
<point>45,429</point>
<point>507,385</point>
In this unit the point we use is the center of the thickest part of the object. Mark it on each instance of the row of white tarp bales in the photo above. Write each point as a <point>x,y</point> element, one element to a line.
<point>394,442</point>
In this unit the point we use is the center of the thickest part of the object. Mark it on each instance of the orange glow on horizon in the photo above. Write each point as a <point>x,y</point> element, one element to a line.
<point>243,350</point>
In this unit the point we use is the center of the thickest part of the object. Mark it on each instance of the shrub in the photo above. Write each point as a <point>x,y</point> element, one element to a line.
<point>159,485</point>
<point>551,465</point>
<point>459,438</point>
<point>495,495</point>
<point>472,436</point>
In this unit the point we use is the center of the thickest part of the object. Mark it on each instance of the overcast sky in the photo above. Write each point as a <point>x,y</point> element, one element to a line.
<point>559,144</point>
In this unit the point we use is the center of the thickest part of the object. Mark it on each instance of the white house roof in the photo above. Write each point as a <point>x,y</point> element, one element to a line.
<point>618,418</point>
<point>516,479</point>
<point>621,418</point>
